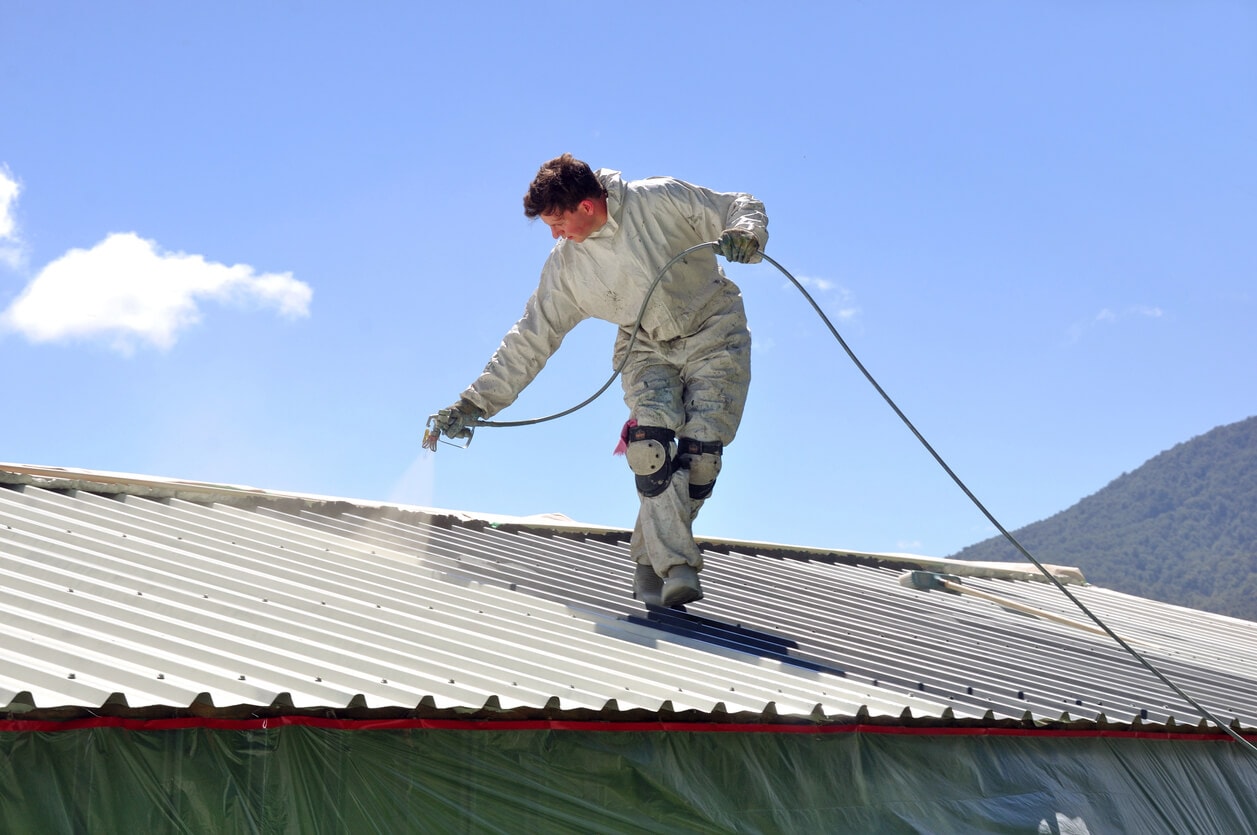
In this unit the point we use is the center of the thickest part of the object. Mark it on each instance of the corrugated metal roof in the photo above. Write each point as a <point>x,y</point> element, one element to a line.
<point>129,593</point>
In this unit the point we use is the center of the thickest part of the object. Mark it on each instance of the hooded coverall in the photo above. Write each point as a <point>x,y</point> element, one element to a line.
<point>690,366</point>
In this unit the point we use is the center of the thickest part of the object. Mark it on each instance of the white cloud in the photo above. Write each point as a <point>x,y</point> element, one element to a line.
<point>9,190</point>
<point>847,308</point>
<point>821,284</point>
<point>10,243</point>
<point>128,292</point>
<point>1107,316</point>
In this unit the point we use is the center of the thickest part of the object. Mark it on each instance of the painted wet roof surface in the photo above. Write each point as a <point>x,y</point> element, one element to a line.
<point>126,593</point>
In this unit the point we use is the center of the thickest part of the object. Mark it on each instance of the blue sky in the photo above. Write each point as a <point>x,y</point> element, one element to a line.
<point>259,243</point>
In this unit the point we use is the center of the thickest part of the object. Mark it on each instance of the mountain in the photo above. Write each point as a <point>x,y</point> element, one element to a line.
<point>1181,529</point>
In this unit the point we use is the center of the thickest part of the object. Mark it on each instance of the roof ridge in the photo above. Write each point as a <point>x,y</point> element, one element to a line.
<point>107,482</point>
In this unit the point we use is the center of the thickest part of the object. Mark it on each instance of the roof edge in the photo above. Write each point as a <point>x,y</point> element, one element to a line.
<point>133,484</point>
<point>609,717</point>
<point>1068,575</point>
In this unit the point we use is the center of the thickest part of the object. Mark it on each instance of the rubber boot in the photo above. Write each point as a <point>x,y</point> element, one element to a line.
<point>681,586</point>
<point>647,585</point>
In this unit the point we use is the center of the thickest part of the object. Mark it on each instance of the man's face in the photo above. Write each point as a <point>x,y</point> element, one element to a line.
<point>576,225</point>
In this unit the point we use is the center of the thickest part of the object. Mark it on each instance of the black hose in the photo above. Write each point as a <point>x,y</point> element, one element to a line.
<point>973,498</point>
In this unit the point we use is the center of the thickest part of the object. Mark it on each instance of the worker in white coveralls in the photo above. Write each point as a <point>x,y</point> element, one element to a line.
<point>686,379</point>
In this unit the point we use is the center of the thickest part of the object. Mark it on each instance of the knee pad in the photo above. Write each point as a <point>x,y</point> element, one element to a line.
<point>702,459</point>
<point>650,458</point>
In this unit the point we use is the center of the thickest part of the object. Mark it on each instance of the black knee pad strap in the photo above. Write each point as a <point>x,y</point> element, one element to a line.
<point>700,492</point>
<point>692,446</point>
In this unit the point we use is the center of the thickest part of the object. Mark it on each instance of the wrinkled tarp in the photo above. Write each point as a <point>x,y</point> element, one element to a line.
<point>309,779</point>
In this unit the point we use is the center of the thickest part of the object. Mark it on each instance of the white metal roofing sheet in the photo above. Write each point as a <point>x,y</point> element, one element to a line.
<point>154,595</point>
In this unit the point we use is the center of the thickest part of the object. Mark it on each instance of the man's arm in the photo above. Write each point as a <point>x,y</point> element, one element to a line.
<point>548,317</point>
<point>718,215</point>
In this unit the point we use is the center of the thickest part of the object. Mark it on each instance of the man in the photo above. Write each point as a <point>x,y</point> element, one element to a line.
<point>687,372</point>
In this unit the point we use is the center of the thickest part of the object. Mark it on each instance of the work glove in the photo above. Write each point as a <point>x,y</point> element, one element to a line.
<point>457,420</point>
<point>738,245</point>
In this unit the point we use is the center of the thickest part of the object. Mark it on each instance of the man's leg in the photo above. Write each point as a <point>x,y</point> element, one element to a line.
<point>662,537</point>
<point>697,385</point>
<point>717,376</point>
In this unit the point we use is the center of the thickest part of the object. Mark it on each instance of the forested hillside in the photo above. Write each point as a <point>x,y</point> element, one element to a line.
<point>1181,529</point>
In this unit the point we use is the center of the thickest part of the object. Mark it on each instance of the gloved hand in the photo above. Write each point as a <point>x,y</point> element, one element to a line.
<point>456,421</point>
<point>738,245</point>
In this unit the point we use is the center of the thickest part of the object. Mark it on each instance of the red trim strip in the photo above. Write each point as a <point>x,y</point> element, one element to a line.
<point>44,726</point>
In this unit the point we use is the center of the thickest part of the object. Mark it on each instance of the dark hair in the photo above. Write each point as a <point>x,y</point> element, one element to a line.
<point>560,186</point>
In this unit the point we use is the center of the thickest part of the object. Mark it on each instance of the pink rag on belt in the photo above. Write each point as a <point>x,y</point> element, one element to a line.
<point>622,446</point>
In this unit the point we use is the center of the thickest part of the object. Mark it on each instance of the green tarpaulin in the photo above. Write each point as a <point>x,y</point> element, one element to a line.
<point>310,778</point>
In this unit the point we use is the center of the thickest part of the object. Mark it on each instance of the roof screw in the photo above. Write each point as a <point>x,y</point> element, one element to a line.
<point>71,675</point>
<point>161,676</point>
<point>318,678</point>
<point>383,681</point>
<point>241,678</point>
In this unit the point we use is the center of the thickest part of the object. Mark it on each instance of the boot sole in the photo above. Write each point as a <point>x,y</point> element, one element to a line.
<point>679,595</point>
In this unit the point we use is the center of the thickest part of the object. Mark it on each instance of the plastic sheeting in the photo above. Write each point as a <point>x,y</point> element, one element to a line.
<point>315,779</point>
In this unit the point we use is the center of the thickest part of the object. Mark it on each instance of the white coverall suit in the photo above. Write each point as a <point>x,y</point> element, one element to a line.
<point>691,363</point>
